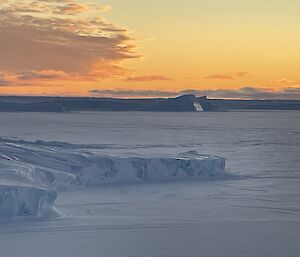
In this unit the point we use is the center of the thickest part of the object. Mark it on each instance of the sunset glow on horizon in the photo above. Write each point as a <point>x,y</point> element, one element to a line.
<point>138,48</point>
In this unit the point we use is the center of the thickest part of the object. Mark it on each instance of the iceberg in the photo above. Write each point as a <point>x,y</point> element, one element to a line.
<point>32,172</point>
<point>140,169</point>
<point>26,201</point>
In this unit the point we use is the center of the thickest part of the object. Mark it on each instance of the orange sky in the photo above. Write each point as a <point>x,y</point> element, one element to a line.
<point>141,48</point>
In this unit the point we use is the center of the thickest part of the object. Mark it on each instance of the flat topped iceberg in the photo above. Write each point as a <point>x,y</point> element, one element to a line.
<point>60,165</point>
<point>135,168</point>
<point>32,172</point>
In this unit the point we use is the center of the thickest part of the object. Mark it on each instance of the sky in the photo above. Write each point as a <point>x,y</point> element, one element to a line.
<point>141,48</point>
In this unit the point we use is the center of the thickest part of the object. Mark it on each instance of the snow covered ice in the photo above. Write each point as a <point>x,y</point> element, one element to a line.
<point>23,201</point>
<point>98,184</point>
<point>27,167</point>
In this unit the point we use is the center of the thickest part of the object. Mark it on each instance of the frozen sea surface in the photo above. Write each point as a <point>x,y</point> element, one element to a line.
<point>256,212</point>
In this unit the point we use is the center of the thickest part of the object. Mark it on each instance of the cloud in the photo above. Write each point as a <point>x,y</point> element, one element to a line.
<point>29,7</point>
<point>71,9</point>
<point>42,75</point>
<point>249,93</point>
<point>232,76</point>
<point>4,82</point>
<point>241,93</point>
<point>220,77</point>
<point>286,81</point>
<point>242,74</point>
<point>131,93</point>
<point>35,39</point>
<point>147,78</point>
<point>34,43</point>
<point>293,90</point>
<point>105,8</point>
<point>103,69</point>
<point>57,1</point>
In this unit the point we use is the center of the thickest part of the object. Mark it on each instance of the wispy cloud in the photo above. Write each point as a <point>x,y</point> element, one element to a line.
<point>105,8</point>
<point>4,82</point>
<point>242,74</point>
<point>71,9</point>
<point>146,78</point>
<point>231,76</point>
<point>132,93</point>
<point>220,77</point>
<point>241,93</point>
<point>286,82</point>
<point>42,75</point>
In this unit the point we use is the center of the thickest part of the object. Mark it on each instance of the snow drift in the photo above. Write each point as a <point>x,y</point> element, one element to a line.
<point>32,172</point>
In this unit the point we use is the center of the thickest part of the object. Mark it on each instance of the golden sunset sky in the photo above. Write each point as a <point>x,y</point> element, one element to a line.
<point>143,48</point>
